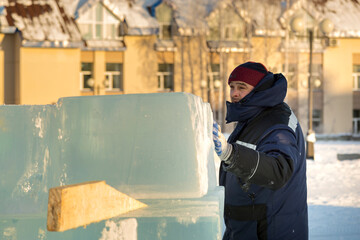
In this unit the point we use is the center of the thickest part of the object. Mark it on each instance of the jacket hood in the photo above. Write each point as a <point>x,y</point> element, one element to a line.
<point>270,92</point>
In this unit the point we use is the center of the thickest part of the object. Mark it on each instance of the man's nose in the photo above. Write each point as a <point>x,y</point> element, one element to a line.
<point>236,93</point>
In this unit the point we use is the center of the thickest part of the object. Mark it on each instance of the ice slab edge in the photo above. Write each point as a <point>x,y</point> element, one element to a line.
<point>196,218</point>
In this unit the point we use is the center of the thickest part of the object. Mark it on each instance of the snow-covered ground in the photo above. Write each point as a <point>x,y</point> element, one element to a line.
<point>334,192</point>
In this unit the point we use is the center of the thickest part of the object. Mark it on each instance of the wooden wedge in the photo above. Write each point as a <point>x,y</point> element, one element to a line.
<point>78,205</point>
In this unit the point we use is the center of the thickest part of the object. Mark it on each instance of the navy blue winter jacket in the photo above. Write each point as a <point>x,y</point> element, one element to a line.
<point>265,175</point>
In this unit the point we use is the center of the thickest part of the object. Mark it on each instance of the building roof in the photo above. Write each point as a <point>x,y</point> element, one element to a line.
<point>40,22</point>
<point>70,6</point>
<point>267,17</point>
<point>53,20</point>
<point>137,19</point>
<point>189,15</point>
<point>344,14</point>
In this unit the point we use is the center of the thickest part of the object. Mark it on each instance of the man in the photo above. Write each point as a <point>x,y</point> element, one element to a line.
<point>263,166</point>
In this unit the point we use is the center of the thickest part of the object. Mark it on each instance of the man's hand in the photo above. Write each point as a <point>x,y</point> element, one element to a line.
<point>222,148</point>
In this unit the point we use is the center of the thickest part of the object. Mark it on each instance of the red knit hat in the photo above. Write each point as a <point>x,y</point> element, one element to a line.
<point>249,72</point>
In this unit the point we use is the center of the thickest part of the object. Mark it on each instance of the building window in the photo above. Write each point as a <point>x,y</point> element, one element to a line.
<point>356,77</point>
<point>356,121</point>
<point>86,76</point>
<point>232,31</point>
<point>99,23</point>
<point>317,119</point>
<point>164,16</point>
<point>165,77</point>
<point>113,76</point>
<point>226,25</point>
<point>214,76</point>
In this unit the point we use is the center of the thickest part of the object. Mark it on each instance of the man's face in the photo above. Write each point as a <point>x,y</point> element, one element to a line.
<point>238,90</point>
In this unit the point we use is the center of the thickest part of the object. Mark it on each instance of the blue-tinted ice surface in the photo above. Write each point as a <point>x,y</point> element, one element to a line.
<point>153,147</point>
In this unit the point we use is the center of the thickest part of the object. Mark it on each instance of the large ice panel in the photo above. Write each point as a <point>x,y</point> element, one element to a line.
<point>146,145</point>
<point>153,147</point>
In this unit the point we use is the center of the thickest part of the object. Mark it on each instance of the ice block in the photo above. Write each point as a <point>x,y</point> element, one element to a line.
<point>153,147</point>
<point>149,145</point>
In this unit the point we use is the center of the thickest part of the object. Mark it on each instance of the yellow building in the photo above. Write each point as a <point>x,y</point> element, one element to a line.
<point>40,61</point>
<point>146,46</point>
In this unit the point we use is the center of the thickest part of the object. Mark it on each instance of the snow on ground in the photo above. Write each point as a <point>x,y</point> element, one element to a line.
<point>334,192</point>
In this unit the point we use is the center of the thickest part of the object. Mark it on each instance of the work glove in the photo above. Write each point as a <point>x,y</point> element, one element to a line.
<point>222,148</point>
